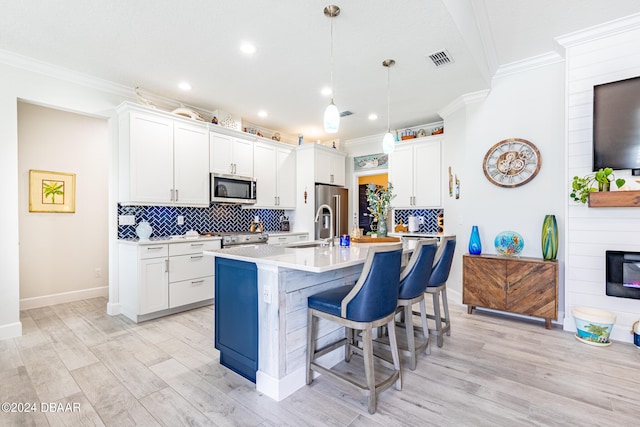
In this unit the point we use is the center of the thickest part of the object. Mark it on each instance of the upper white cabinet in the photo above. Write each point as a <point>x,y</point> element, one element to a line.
<point>415,172</point>
<point>230,155</point>
<point>161,159</point>
<point>275,174</point>
<point>329,166</point>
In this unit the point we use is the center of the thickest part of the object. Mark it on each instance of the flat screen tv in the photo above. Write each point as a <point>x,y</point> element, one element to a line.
<point>616,125</point>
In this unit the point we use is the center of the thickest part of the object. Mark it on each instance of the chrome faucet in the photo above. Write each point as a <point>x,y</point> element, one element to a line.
<point>318,212</point>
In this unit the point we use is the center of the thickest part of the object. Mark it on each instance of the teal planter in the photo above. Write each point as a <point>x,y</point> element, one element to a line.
<point>475,246</point>
<point>549,237</point>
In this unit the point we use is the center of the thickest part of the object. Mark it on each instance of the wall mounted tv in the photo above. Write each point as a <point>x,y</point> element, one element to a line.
<point>616,125</point>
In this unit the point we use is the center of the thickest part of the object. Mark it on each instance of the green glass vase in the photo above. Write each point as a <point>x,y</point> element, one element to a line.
<point>549,237</point>
<point>382,228</point>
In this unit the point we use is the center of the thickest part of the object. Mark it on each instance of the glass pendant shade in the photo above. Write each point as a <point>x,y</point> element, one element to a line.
<point>388,143</point>
<point>331,118</point>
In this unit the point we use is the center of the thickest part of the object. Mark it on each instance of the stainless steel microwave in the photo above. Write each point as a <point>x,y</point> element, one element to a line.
<point>233,189</point>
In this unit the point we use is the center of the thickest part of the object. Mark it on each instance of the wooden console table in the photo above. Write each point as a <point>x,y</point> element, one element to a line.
<point>518,285</point>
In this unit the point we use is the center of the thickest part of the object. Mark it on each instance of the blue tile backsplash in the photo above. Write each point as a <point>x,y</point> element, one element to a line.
<point>430,218</point>
<point>217,217</point>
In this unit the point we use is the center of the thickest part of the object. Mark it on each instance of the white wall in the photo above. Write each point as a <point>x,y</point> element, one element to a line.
<point>18,83</point>
<point>59,252</point>
<point>601,55</point>
<point>528,105</point>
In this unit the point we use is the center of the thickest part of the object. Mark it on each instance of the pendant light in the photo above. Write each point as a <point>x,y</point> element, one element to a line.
<point>388,142</point>
<point>331,114</point>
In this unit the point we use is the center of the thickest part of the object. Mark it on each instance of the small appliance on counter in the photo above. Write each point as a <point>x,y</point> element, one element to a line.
<point>414,224</point>
<point>284,223</point>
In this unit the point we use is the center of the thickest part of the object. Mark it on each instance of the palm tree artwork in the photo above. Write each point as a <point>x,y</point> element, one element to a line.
<point>53,189</point>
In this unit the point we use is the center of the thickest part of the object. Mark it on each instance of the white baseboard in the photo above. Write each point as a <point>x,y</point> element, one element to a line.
<point>114,309</point>
<point>280,388</point>
<point>46,300</point>
<point>10,330</point>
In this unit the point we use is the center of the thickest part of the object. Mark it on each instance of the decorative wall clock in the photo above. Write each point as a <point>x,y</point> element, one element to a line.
<point>511,163</point>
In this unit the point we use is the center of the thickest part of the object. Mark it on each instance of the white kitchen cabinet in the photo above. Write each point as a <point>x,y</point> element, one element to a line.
<point>158,279</point>
<point>230,155</point>
<point>162,160</point>
<point>190,164</point>
<point>275,174</point>
<point>329,166</point>
<point>286,238</point>
<point>415,172</point>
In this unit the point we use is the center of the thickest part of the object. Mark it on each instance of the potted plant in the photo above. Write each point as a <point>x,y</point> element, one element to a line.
<point>379,200</point>
<point>582,186</point>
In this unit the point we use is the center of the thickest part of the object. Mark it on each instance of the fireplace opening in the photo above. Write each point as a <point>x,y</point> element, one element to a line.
<point>623,274</point>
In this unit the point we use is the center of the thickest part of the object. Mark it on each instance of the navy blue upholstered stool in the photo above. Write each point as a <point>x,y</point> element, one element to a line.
<point>438,286</point>
<point>368,304</point>
<point>413,283</point>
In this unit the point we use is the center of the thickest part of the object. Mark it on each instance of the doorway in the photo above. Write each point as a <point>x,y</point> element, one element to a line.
<point>364,218</point>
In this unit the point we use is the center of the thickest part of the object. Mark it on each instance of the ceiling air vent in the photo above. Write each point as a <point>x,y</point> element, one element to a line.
<point>440,58</point>
<point>345,113</point>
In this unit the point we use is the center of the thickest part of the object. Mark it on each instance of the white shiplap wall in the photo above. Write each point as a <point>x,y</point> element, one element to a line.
<point>598,55</point>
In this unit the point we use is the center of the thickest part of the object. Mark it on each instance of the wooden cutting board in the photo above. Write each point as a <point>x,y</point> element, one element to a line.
<point>369,239</point>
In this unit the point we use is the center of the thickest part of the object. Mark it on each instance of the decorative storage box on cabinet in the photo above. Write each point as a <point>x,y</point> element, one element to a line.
<point>518,285</point>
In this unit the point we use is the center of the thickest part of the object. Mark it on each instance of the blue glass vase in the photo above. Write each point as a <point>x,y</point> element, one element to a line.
<point>475,246</point>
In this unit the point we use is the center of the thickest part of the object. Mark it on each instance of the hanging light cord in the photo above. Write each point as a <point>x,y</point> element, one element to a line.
<point>388,99</point>
<point>331,60</point>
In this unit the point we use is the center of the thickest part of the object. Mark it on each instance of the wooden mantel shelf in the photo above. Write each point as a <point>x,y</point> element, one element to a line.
<point>607,199</point>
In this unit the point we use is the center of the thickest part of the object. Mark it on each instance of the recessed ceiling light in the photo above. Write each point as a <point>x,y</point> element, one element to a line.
<point>326,91</point>
<point>247,48</point>
<point>262,113</point>
<point>373,116</point>
<point>184,86</point>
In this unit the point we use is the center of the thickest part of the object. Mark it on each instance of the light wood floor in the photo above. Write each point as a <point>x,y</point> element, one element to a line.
<point>491,371</point>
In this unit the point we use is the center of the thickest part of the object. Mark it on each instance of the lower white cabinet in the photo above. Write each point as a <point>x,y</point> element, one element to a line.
<point>159,279</point>
<point>281,239</point>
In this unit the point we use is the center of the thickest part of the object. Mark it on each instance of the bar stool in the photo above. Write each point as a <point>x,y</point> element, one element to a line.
<point>413,283</point>
<point>438,285</point>
<point>368,304</point>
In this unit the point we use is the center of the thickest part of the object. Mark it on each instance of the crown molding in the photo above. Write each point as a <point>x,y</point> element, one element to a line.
<point>40,67</point>
<point>527,64</point>
<point>65,74</point>
<point>463,101</point>
<point>617,26</point>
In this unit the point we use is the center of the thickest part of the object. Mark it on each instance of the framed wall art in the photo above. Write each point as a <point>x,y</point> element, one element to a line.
<point>52,191</point>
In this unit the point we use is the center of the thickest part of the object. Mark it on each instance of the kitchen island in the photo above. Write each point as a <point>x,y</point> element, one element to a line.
<point>261,307</point>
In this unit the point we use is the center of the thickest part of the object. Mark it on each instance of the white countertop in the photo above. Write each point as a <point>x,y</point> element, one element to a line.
<point>166,239</point>
<point>315,259</point>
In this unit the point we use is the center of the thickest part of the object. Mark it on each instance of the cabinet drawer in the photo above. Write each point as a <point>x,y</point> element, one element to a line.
<point>153,251</point>
<point>185,267</point>
<point>193,247</point>
<point>190,291</point>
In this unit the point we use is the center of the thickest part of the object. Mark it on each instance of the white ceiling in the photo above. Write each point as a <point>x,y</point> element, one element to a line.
<point>155,44</point>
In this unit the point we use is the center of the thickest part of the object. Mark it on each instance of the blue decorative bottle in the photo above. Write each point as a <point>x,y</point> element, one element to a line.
<point>475,246</point>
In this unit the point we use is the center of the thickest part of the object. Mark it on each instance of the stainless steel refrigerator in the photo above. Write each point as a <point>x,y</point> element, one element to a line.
<point>337,198</point>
